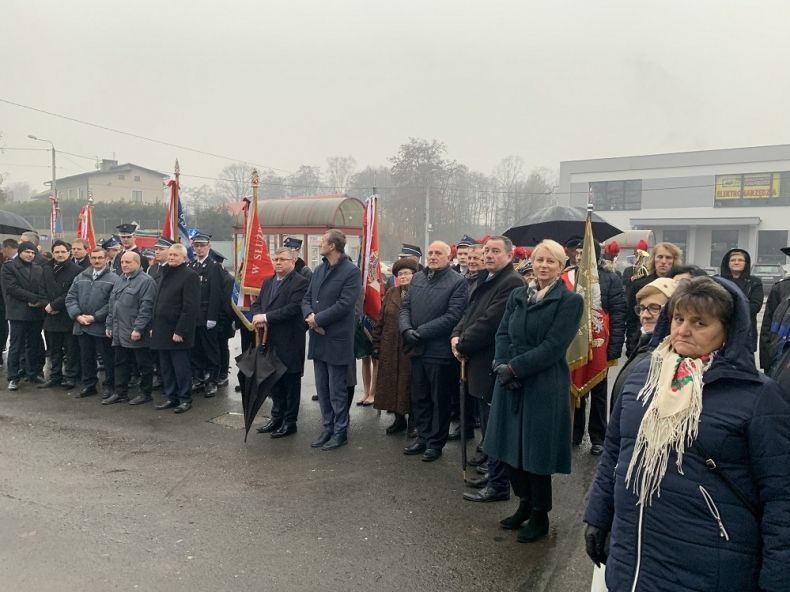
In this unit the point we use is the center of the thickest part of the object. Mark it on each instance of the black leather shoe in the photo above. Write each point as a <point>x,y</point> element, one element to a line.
<point>49,384</point>
<point>115,398</point>
<point>284,430</point>
<point>536,527</point>
<point>416,448</point>
<point>211,390</point>
<point>87,392</point>
<point>478,460</point>
<point>140,399</point>
<point>487,494</point>
<point>397,426</point>
<point>67,384</point>
<point>596,450</point>
<point>167,405</point>
<point>322,439</point>
<point>412,433</point>
<point>182,408</point>
<point>36,380</point>
<point>271,426</point>
<point>518,518</point>
<point>431,454</point>
<point>477,482</point>
<point>335,441</point>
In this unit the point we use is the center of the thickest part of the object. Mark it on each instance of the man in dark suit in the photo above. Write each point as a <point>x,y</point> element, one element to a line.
<point>79,253</point>
<point>126,232</point>
<point>328,309</point>
<point>279,307</point>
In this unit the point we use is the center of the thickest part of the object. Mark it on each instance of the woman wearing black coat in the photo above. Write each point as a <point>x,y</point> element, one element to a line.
<point>736,266</point>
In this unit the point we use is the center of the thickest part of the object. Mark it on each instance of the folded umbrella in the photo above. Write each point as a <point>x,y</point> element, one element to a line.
<point>260,369</point>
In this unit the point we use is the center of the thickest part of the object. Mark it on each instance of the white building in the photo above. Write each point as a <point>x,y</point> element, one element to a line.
<point>706,202</point>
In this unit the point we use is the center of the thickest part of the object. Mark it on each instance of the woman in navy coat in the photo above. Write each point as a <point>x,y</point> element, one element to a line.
<point>529,428</point>
<point>658,516</point>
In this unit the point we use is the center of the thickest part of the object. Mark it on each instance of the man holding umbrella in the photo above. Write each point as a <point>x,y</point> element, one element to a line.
<point>473,340</point>
<point>279,306</point>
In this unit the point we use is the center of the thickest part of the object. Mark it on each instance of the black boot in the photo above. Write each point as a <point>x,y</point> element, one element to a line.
<point>516,520</point>
<point>536,527</point>
<point>398,425</point>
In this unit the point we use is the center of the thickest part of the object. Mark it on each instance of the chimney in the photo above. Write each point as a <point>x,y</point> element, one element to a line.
<point>106,165</point>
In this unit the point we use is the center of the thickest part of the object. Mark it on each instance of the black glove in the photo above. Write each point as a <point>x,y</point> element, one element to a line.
<point>596,543</point>
<point>504,374</point>
<point>411,336</point>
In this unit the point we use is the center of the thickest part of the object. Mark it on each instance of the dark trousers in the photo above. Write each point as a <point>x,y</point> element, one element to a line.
<point>25,342</point>
<point>205,354</point>
<point>176,372</point>
<point>286,395</point>
<point>598,414</point>
<point>63,356</point>
<point>497,473</point>
<point>128,359</point>
<point>532,488</point>
<point>432,385</point>
<point>90,346</point>
<point>331,385</point>
<point>3,329</point>
<point>224,358</point>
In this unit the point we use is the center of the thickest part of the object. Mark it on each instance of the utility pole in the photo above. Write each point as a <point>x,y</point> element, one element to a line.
<point>427,216</point>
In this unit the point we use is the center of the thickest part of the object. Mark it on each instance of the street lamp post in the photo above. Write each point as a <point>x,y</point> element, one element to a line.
<point>54,186</point>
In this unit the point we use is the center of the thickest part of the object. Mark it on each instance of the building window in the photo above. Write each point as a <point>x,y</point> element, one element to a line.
<point>617,195</point>
<point>721,241</point>
<point>678,238</point>
<point>768,244</point>
<point>137,178</point>
<point>121,177</point>
<point>137,196</point>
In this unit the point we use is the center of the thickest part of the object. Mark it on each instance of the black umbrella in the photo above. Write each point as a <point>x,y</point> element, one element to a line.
<point>558,223</point>
<point>260,369</point>
<point>11,223</point>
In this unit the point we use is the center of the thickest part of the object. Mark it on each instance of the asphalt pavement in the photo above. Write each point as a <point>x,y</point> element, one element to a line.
<point>100,498</point>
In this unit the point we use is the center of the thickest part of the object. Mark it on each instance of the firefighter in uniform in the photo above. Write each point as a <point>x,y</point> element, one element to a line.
<point>206,353</point>
<point>126,232</point>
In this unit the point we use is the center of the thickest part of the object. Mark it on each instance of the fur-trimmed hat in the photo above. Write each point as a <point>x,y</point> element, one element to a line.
<point>405,263</point>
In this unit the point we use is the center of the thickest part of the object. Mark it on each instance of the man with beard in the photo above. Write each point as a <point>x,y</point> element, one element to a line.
<point>328,309</point>
<point>59,274</point>
<point>173,328</point>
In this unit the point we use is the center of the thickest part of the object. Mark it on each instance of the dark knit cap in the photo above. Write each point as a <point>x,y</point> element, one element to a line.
<point>26,246</point>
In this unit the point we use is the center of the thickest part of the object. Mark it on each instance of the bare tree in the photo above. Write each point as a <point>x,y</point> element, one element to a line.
<point>305,181</point>
<point>234,182</point>
<point>339,171</point>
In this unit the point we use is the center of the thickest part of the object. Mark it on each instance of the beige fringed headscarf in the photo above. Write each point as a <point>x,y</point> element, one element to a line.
<point>673,392</point>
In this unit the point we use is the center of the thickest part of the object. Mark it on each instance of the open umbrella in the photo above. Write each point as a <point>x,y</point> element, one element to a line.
<point>558,223</point>
<point>11,223</point>
<point>260,369</point>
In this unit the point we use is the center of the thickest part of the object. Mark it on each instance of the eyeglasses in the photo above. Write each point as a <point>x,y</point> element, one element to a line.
<point>652,309</point>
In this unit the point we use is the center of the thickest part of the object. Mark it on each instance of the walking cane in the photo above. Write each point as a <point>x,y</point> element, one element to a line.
<point>462,401</point>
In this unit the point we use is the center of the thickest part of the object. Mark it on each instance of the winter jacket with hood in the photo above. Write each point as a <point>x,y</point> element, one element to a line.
<point>751,287</point>
<point>697,535</point>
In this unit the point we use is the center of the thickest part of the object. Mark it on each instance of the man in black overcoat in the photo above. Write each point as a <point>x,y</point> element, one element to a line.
<point>59,274</point>
<point>173,328</point>
<point>279,307</point>
<point>473,340</point>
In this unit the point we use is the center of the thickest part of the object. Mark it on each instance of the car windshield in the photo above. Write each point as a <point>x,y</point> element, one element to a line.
<point>767,269</point>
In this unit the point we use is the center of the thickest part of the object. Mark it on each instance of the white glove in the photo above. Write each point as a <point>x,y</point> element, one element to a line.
<point>211,324</point>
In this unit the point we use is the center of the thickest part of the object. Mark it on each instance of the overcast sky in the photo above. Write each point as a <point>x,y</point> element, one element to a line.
<point>280,84</point>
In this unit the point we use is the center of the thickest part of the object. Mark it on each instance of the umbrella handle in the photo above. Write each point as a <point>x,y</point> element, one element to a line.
<point>262,336</point>
<point>463,369</point>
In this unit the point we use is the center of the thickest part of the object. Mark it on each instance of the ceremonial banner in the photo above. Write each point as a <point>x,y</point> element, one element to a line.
<point>371,268</point>
<point>85,224</point>
<point>586,355</point>
<point>256,265</point>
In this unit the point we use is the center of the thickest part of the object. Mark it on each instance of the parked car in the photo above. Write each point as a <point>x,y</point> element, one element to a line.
<point>769,273</point>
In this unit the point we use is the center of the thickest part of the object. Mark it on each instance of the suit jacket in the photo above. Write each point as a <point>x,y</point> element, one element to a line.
<point>175,308</point>
<point>284,316</point>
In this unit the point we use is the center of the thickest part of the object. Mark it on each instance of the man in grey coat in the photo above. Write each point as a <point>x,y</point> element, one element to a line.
<point>128,324</point>
<point>431,309</point>
<point>328,309</point>
<point>88,304</point>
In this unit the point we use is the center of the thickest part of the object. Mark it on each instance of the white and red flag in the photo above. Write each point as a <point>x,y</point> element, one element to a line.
<point>372,279</point>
